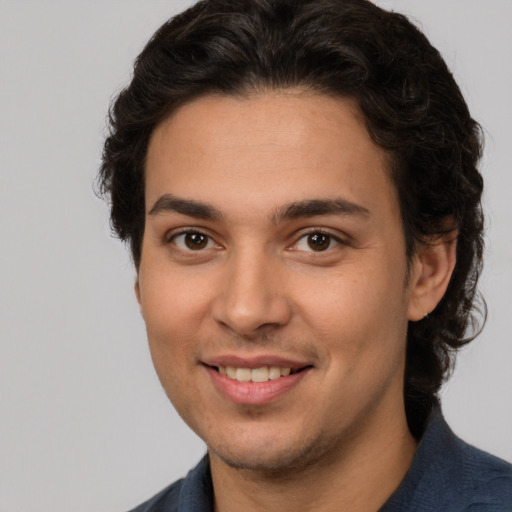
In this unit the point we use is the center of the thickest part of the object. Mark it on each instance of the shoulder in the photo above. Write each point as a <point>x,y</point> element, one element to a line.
<point>485,480</point>
<point>194,493</point>
<point>477,479</point>
<point>449,475</point>
<point>166,500</point>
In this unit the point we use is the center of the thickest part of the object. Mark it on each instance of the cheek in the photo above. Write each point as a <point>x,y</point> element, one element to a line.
<point>171,327</point>
<point>170,309</point>
<point>170,300</point>
<point>356,316</point>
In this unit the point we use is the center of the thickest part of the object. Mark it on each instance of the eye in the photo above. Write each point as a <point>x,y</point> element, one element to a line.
<point>192,241</point>
<point>317,242</point>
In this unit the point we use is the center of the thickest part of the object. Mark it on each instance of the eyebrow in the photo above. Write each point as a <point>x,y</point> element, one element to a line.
<point>190,207</point>
<point>169,203</point>
<point>316,207</point>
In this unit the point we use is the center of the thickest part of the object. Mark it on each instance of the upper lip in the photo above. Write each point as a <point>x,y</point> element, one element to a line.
<point>253,362</point>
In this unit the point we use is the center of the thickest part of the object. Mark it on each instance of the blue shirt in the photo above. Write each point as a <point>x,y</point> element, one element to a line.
<point>446,475</point>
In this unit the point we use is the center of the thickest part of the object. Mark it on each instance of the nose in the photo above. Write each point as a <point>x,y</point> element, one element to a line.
<point>252,299</point>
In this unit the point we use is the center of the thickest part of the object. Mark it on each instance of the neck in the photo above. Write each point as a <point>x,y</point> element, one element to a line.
<point>359,475</point>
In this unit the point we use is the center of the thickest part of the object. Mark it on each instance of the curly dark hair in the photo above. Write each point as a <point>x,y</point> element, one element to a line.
<point>412,107</point>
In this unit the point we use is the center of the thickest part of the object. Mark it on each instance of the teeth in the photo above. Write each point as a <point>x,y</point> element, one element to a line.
<point>274,372</point>
<point>259,374</point>
<point>243,374</point>
<point>263,374</point>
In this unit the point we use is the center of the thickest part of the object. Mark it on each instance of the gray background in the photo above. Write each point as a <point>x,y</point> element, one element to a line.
<point>84,425</point>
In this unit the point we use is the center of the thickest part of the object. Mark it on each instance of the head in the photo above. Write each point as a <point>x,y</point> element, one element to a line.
<point>403,92</point>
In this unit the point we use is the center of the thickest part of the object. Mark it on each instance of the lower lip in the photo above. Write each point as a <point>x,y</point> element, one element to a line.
<point>254,393</point>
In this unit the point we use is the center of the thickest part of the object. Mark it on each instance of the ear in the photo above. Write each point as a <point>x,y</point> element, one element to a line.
<point>431,271</point>
<point>136,288</point>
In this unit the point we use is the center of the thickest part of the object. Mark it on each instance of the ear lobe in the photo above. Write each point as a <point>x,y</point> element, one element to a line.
<point>431,274</point>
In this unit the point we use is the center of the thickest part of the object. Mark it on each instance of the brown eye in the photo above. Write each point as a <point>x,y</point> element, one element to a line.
<point>319,241</point>
<point>316,241</point>
<point>192,241</point>
<point>196,241</point>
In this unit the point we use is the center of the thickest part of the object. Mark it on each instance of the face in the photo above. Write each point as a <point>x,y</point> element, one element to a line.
<point>273,277</point>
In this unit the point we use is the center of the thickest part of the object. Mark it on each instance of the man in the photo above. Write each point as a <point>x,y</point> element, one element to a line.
<point>297,182</point>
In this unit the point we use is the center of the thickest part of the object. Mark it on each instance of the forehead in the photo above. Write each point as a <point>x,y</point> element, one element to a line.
<point>270,149</point>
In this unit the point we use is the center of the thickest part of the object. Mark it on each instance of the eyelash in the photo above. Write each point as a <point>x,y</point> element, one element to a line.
<point>184,232</point>
<point>209,240</point>
<point>323,233</point>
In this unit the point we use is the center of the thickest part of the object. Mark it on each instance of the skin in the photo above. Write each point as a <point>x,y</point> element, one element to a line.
<point>259,288</point>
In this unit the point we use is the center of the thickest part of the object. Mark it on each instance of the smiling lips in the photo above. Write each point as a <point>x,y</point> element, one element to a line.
<point>259,384</point>
<point>262,374</point>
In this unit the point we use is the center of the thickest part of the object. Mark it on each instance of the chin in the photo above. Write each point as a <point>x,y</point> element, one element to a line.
<point>273,456</point>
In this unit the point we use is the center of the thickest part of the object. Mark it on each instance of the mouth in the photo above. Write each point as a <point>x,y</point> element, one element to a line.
<point>258,375</point>
<point>257,379</point>
<point>255,383</point>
